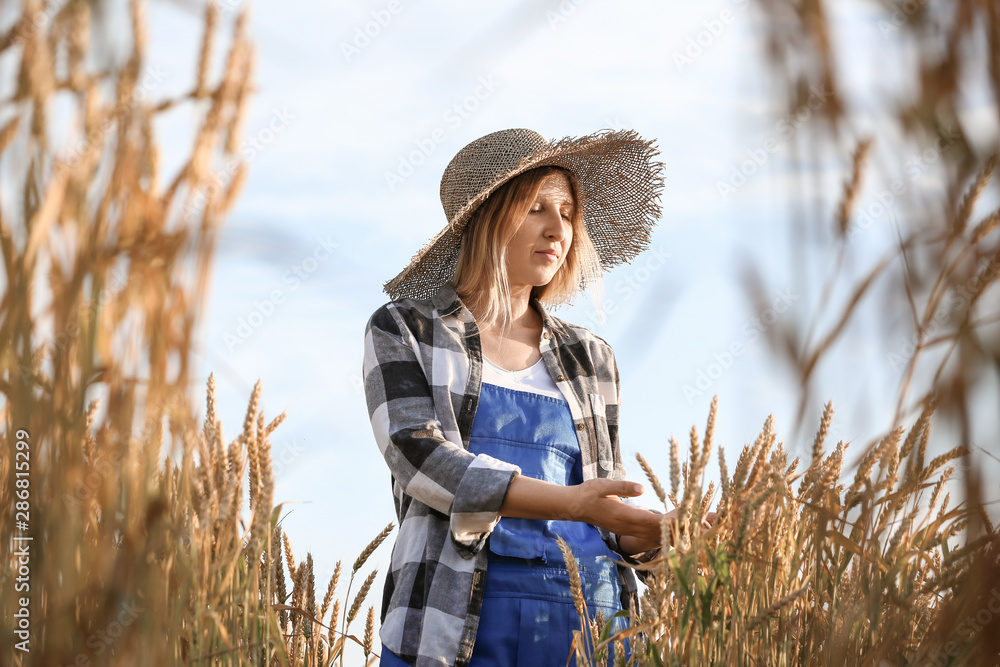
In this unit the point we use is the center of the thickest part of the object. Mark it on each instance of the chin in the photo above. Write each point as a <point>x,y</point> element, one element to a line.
<point>539,279</point>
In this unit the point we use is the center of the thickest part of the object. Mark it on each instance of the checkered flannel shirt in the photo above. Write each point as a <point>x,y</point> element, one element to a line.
<point>423,373</point>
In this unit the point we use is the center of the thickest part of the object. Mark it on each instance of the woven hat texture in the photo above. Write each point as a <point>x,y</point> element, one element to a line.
<point>620,187</point>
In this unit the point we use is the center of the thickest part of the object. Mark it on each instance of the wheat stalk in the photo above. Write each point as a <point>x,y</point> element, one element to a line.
<point>852,186</point>
<point>675,468</point>
<point>360,597</point>
<point>653,479</point>
<point>372,546</point>
<point>330,590</point>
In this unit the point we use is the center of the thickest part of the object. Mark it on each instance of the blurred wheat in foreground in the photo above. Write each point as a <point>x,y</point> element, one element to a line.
<point>141,538</point>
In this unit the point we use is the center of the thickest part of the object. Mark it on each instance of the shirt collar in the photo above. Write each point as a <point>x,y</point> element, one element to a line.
<point>447,302</point>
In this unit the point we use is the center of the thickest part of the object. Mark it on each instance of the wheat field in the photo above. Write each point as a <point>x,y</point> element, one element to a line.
<point>135,539</point>
<point>139,534</point>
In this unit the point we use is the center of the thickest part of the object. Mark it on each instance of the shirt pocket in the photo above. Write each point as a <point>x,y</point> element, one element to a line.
<point>598,409</point>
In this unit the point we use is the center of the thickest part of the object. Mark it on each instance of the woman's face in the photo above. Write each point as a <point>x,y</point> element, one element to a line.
<point>540,245</point>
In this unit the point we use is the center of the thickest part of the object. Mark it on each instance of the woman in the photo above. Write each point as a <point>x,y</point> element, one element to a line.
<point>498,421</point>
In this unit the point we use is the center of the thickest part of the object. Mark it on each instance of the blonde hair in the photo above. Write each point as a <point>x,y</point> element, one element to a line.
<point>481,274</point>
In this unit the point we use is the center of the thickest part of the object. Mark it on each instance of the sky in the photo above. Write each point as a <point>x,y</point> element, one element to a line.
<point>361,105</point>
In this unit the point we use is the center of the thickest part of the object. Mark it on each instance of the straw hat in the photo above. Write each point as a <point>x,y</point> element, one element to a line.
<point>620,186</point>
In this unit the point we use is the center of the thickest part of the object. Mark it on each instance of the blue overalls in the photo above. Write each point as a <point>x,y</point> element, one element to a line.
<point>528,617</point>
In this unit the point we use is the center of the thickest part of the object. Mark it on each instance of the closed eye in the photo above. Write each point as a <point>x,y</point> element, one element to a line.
<point>566,214</point>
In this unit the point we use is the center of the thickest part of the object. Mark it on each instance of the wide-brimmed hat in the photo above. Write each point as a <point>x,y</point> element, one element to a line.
<point>620,186</point>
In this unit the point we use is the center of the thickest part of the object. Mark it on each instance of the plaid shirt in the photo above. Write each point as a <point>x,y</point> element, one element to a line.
<point>423,372</point>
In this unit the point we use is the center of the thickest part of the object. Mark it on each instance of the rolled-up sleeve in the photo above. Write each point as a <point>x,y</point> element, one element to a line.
<point>426,465</point>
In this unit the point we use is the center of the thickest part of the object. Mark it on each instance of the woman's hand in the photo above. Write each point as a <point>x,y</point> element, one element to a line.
<point>597,502</point>
<point>631,544</point>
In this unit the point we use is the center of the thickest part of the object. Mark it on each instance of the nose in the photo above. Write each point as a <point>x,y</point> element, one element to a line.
<point>555,227</point>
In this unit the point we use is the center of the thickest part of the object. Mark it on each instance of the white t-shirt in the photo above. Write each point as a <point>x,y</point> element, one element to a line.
<point>535,378</point>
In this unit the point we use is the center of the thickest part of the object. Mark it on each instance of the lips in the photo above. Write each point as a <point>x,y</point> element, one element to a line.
<point>549,253</point>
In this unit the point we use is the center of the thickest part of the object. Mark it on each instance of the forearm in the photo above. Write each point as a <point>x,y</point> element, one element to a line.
<point>530,498</point>
<point>597,502</point>
<point>632,545</point>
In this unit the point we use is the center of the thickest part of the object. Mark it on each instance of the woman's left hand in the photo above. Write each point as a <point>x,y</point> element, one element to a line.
<point>631,544</point>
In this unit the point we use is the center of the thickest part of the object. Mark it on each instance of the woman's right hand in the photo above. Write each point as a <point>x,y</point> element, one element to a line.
<point>599,502</point>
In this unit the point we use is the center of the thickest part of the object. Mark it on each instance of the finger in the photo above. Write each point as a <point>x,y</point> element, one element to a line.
<point>643,520</point>
<point>613,487</point>
<point>627,489</point>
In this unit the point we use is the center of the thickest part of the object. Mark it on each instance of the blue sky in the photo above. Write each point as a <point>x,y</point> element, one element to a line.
<point>348,136</point>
